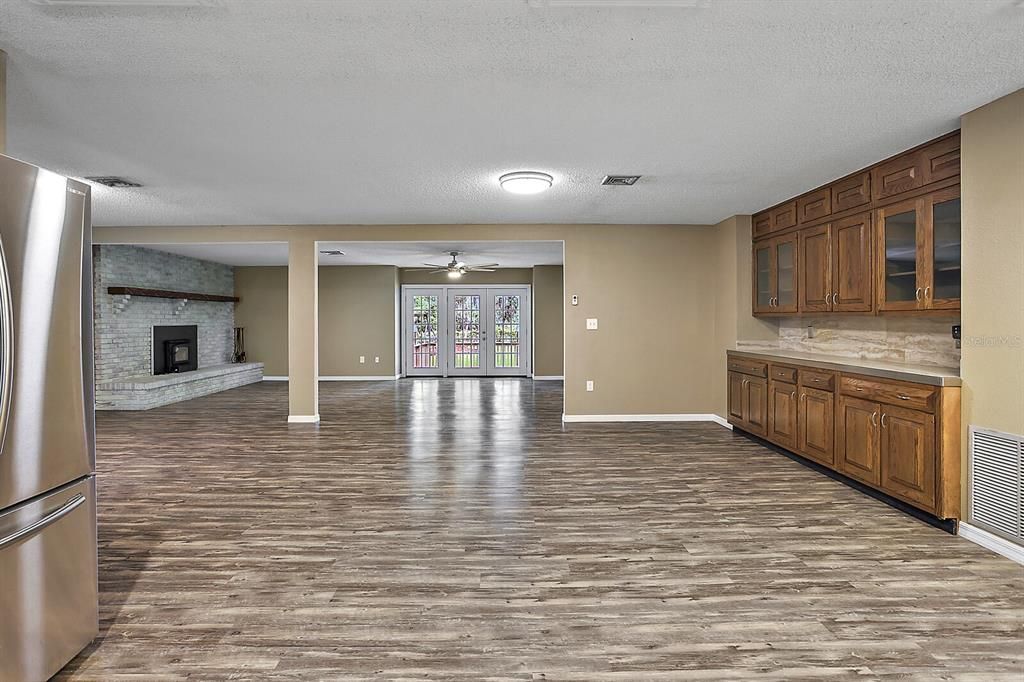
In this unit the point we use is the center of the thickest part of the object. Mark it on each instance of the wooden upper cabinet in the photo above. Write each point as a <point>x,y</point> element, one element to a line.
<point>851,264</point>
<point>941,160</point>
<point>814,205</point>
<point>852,192</point>
<point>762,224</point>
<point>775,276</point>
<point>784,216</point>
<point>919,253</point>
<point>898,175</point>
<point>815,269</point>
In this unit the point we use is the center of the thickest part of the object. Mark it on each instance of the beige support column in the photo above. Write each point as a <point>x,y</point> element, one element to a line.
<point>3,102</point>
<point>303,361</point>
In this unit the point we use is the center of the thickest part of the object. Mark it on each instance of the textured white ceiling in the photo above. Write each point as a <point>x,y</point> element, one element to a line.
<point>519,254</point>
<point>406,111</point>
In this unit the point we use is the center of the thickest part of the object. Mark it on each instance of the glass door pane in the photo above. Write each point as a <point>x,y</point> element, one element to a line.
<point>763,274</point>
<point>785,253</point>
<point>946,249</point>
<point>508,338</point>
<point>466,331</point>
<point>425,332</point>
<point>900,234</point>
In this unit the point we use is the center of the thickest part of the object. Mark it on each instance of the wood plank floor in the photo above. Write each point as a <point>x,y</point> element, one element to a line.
<point>454,529</point>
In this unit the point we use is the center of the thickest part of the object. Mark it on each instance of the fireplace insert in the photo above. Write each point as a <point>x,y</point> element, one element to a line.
<point>175,349</point>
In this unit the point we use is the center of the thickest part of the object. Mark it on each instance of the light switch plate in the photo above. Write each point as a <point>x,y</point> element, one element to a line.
<point>575,299</point>
<point>591,323</point>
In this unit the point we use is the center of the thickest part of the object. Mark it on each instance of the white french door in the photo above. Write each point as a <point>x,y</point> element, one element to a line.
<point>466,331</point>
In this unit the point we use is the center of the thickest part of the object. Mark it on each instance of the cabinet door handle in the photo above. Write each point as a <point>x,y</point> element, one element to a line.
<point>835,298</point>
<point>826,298</point>
<point>917,294</point>
<point>803,396</point>
<point>874,418</point>
<point>926,290</point>
<point>902,397</point>
<point>883,420</point>
<point>793,394</point>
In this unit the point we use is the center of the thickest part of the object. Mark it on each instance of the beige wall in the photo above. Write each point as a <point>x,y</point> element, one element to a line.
<point>358,317</point>
<point>263,313</point>
<point>992,187</point>
<point>731,284</point>
<point>500,276</point>
<point>548,317</point>
<point>647,284</point>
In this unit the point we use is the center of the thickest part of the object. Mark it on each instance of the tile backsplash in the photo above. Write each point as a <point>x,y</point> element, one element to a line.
<point>925,341</point>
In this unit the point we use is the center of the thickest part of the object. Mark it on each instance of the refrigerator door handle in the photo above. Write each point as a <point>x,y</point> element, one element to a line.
<point>42,523</point>
<point>6,346</point>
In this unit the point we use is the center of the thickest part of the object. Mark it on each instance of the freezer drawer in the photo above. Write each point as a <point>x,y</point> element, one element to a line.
<point>48,591</point>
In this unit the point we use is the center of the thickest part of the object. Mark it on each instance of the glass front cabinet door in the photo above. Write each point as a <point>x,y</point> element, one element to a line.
<point>775,275</point>
<point>919,253</point>
<point>764,277</point>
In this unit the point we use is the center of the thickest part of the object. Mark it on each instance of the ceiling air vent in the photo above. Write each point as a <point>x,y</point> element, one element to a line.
<point>113,181</point>
<point>620,180</point>
<point>128,3</point>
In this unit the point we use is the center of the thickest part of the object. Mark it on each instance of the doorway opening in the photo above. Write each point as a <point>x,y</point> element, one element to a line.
<point>466,330</point>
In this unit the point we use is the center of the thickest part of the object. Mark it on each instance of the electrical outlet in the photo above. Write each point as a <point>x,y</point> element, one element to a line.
<point>362,359</point>
<point>575,299</point>
<point>591,323</point>
<point>376,359</point>
<point>956,334</point>
<point>590,385</point>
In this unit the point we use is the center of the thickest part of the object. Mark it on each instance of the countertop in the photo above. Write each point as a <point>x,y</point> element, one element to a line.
<point>885,369</point>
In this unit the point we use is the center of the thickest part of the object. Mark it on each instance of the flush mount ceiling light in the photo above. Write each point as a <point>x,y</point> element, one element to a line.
<point>525,182</point>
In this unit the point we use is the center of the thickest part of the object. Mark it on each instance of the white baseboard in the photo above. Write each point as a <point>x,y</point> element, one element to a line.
<point>594,418</point>
<point>993,542</point>
<point>385,377</point>
<point>303,419</point>
<point>548,378</point>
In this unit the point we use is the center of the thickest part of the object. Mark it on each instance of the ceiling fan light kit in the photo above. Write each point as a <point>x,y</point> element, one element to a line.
<point>456,268</point>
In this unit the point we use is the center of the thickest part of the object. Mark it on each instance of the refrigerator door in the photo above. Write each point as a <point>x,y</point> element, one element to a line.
<point>48,591</point>
<point>45,377</point>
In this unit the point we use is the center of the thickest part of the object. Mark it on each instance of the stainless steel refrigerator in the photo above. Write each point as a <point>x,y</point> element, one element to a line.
<point>48,590</point>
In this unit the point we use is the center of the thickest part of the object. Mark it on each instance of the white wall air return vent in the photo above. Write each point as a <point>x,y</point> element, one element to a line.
<point>997,470</point>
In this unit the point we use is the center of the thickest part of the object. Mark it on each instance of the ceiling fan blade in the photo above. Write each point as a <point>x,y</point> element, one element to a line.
<point>483,265</point>
<point>476,269</point>
<point>435,265</point>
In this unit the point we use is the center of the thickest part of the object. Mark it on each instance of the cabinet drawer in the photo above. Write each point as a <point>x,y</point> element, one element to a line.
<point>762,225</point>
<point>819,379</point>
<point>913,396</point>
<point>754,368</point>
<point>851,192</point>
<point>783,373</point>
<point>784,216</point>
<point>814,205</point>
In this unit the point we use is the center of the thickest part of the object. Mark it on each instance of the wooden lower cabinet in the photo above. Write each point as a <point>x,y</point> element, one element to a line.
<point>782,414</point>
<point>900,437</point>
<point>756,405</point>
<point>857,439</point>
<point>748,402</point>
<point>816,425</point>
<point>908,455</point>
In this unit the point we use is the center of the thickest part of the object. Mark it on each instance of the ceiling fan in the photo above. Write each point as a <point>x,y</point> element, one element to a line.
<point>457,268</point>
